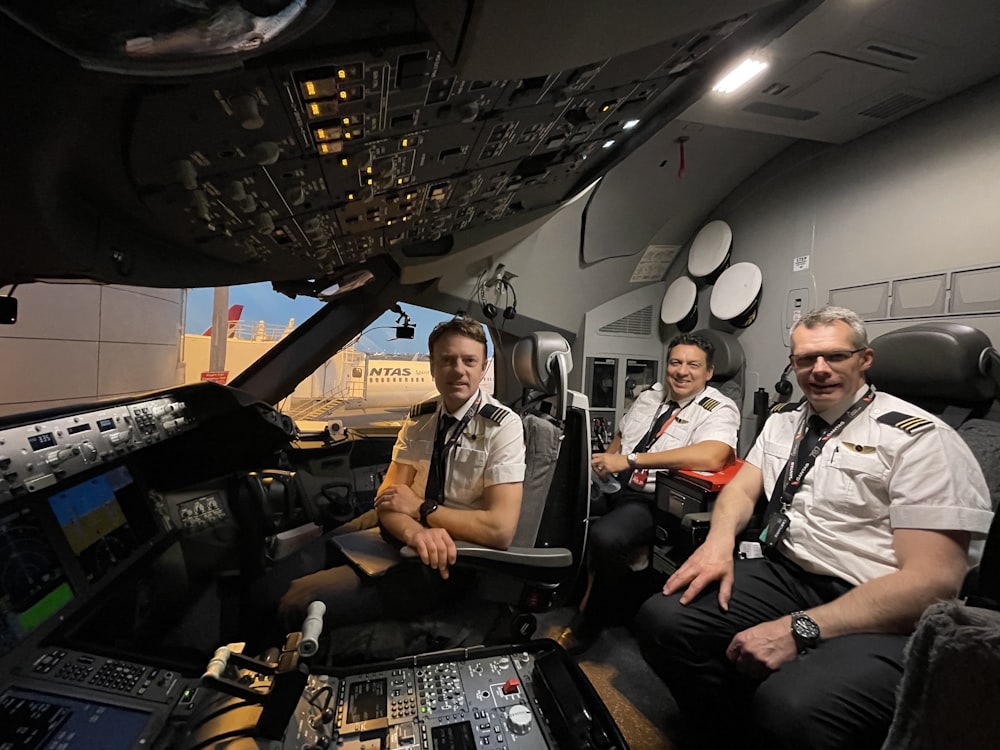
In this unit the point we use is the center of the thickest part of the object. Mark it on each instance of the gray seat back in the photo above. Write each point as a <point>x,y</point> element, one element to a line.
<point>541,362</point>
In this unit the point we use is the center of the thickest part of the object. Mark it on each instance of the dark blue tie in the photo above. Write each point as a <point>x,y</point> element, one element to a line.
<point>815,427</point>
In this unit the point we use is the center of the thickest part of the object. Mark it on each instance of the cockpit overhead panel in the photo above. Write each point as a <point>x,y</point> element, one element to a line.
<point>360,138</point>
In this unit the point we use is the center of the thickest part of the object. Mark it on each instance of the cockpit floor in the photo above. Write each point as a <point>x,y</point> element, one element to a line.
<point>639,702</point>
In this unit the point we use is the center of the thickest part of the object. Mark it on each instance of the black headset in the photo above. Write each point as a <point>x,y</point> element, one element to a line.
<point>510,298</point>
<point>784,387</point>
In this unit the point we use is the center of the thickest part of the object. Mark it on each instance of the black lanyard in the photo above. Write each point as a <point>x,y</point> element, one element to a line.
<point>793,478</point>
<point>776,518</point>
<point>442,447</point>
<point>462,423</point>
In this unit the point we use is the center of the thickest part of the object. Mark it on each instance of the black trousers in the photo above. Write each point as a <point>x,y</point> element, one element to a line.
<point>320,573</point>
<point>613,541</point>
<point>839,695</point>
<point>411,589</point>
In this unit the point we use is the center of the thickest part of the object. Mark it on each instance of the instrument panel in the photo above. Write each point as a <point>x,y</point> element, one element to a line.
<point>527,697</point>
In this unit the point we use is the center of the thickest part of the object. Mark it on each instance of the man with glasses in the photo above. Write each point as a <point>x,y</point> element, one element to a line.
<point>683,423</point>
<point>801,643</point>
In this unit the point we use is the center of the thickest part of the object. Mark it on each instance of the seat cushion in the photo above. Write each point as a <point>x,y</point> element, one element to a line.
<point>983,438</point>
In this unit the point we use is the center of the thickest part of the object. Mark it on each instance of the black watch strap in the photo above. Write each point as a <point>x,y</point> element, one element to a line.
<point>426,508</point>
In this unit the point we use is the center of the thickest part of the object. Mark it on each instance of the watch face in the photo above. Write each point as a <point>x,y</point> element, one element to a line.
<point>805,627</point>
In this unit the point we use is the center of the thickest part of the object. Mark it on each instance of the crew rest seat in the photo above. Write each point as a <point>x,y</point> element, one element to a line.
<point>951,370</point>
<point>942,367</point>
<point>948,696</point>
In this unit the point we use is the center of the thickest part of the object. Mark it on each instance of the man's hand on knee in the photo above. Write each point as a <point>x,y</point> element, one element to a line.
<point>436,549</point>
<point>762,649</point>
<point>706,564</point>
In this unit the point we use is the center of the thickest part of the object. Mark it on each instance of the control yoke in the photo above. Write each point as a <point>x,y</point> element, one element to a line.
<point>276,685</point>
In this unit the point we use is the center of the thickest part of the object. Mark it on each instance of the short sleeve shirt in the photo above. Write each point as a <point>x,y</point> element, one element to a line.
<point>707,416</point>
<point>489,451</point>
<point>894,466</point>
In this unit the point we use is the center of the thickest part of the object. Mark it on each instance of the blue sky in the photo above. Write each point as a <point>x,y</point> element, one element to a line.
<point>261,302</point>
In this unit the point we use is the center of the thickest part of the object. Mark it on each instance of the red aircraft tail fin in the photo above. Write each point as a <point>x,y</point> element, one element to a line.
<point>235,313</point>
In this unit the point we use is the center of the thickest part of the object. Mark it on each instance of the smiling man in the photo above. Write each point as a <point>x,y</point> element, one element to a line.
<point>803,646</point>
<point>456,474</point>
<point>458,463</point>
<point>686,425</point>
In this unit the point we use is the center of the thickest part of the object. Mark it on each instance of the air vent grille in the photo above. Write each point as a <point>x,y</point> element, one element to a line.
<point>896,53</point>
<point>778,110</point>
<point>639,323</point>
<point>893,106</point>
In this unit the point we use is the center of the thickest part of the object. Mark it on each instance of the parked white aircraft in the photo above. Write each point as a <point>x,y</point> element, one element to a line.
<point>376,391</point>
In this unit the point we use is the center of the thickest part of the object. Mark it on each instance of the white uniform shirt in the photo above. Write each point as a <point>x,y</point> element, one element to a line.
<point>707,416</point>
<point>489,451</point>
<point>870,479</point>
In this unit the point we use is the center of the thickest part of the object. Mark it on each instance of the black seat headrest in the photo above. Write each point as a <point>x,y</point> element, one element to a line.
<point>729,356</point>
<point>934,364</point>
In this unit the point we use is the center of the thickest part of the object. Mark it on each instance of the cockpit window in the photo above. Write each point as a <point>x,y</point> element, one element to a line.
<point>371,381</point>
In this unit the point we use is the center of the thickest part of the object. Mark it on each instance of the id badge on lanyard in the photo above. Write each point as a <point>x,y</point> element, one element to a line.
<point>781,499</point>
<point>637,480</point>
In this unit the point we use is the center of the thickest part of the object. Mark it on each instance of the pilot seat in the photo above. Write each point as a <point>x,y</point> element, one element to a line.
<point>507,587</point>
<point>541,566</point>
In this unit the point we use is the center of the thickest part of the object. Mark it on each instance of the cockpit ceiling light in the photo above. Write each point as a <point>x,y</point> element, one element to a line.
<point>629,124</point>
<point>608,144</point>
<point>740,75</point>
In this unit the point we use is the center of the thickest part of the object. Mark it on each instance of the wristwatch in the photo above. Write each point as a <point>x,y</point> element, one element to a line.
<point>805,631</point>
<point>632,458</point>
<point>426,508</point>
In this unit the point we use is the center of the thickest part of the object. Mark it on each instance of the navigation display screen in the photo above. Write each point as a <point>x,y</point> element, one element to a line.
<point>33,585</point>
<point>93,517</point>
<point>36,721</point>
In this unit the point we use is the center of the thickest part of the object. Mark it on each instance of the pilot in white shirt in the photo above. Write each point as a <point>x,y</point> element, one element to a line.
<point>687,425</point>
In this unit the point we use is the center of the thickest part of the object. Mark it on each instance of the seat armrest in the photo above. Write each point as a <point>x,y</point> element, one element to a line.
<point>285,543</point>
<point>690,519</point>
<point>537,557</point>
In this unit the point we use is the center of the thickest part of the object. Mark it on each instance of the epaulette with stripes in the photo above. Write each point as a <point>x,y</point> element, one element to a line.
<point>418,410</point>
<point>906,422</point>
<point>787,406</point>
<point>495,413</point>
<point>709,404</point>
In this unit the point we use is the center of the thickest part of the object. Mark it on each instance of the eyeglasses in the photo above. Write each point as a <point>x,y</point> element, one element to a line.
<point>808,361</point>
